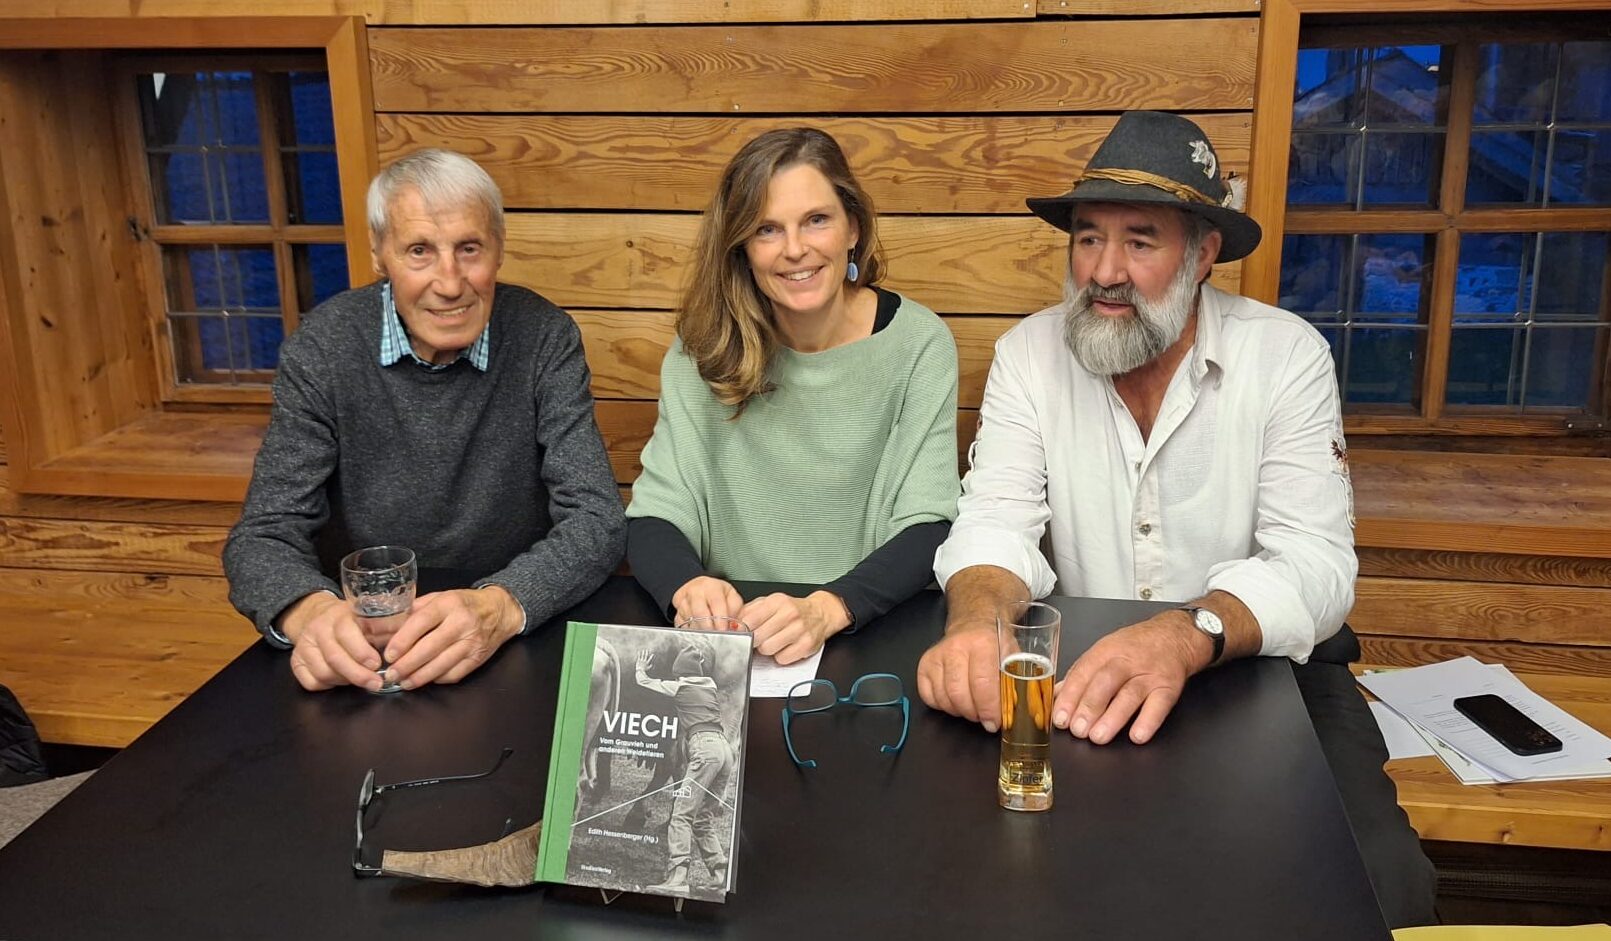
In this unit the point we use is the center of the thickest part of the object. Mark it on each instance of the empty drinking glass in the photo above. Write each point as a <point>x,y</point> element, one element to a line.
<point>379,583</point>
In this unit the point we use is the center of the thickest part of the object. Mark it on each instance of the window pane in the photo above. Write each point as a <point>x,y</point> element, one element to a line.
<point>1402,168</point>
<point>1392,277</point>
<point>1383,365</point>
<point>201,135</point>
<point>1323,168</point>
<point>1542,297</point>
<point>312,186</point>
<point>1328,88</point>
<point>1312,268</point>
<point>1563,366</point>
<point>1585,93</point>
<point>220,277</point>
<point>263,336</point>
<point>1515,83</point>
<point>1571,277</point>
<point>1493,281</point>
<point>226,349</point>
<point>1484,366</point>
<point>1580,167</point>
<point>321,271</point>
<point>1406,87</point>
<point>1507,167</point>
<point>1367,126</point>
<point>311,121</point>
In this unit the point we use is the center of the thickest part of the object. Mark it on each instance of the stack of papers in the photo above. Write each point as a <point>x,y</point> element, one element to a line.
<point>1418,705</point>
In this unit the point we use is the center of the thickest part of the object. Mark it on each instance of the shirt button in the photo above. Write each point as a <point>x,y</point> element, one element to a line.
<point>1146,594</point>
<point>1138,465</point>
<point>1144,528</point>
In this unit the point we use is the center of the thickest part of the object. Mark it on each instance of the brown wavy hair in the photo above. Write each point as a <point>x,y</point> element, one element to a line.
<point>724,321</point>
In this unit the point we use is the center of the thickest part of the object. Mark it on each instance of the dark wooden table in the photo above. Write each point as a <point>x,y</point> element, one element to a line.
<point>233,817</point>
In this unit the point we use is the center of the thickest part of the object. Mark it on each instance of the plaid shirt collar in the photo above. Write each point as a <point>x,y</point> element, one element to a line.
<point>394,344</point>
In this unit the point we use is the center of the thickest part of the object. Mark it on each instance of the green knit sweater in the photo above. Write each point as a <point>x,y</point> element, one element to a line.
<point>853,445</point>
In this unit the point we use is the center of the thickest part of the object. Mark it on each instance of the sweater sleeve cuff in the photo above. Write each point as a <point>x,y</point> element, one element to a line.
<point>272,633</point>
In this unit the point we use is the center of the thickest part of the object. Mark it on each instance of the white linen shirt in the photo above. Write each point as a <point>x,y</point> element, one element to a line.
<point>1242,486</point>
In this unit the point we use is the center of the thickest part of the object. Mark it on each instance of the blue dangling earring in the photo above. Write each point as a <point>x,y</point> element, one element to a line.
<point>852,271</point>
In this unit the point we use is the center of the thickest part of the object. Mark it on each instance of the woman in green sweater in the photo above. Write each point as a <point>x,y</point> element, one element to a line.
<point>807,422</point>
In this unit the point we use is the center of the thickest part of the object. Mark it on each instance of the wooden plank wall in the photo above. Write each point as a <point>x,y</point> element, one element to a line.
<point>608,141</point>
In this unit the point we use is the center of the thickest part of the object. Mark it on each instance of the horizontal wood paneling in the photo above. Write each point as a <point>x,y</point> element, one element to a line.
<point>478,12</point>
<point>532,12</point>
<point>962,164</point>
<point>1143,7</point>
<point>1543,614</point>
<point>1189,64</point>
<point>951,264</point>
<point>96,658</point>
<point>119,547</point>
<point>536,12</point>
<point>1389,651</point>
<point>1485,567</point>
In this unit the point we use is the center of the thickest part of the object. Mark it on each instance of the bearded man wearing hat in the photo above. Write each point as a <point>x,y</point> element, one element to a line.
<point>1180,444</point>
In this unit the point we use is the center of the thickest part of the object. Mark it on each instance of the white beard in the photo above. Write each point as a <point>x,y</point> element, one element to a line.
<point>1112,346</point>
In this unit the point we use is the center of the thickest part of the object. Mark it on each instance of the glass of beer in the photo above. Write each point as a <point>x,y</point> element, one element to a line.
<point>1026,638</point>
<point>379,583</point>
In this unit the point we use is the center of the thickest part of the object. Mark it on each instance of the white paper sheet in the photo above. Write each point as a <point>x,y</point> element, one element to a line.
<point>1403,741</point>
<point>1425,695</point>
<point>768,680</point>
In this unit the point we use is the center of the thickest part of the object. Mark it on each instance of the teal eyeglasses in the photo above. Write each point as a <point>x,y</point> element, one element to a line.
<point>873,689</point>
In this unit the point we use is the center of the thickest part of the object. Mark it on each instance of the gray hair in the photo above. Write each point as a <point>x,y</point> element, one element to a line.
<point>443,178</point>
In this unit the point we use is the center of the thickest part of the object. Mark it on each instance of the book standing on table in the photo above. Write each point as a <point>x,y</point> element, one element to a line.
<point>647,764</point>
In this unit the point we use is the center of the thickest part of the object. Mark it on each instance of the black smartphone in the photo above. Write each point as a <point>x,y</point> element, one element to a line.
<point>1494,715</point>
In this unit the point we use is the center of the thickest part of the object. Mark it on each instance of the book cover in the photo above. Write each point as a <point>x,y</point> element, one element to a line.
<point>647,763</point>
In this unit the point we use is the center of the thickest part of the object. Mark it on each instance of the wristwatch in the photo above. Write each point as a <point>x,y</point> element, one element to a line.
<point>1209,623</point>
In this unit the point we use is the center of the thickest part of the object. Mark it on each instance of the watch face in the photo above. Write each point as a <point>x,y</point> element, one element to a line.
<point>1208,622</point>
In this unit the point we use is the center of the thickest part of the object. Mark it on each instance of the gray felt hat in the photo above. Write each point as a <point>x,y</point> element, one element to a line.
<point>1157,158</point>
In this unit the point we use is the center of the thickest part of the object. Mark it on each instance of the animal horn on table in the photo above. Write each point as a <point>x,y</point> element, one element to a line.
<point>511,861</point>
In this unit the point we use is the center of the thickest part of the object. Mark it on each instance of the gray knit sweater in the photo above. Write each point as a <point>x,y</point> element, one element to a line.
<point>501,474</point>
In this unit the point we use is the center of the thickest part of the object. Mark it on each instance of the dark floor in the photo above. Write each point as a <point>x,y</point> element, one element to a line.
<point>63,760</point>
<point>1521,885</point>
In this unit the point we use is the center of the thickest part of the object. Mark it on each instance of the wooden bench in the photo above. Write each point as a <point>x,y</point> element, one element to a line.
<point>1506,558</point>
<point>1557,815</point>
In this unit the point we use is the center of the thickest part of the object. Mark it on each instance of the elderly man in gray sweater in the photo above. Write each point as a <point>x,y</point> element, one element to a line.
<point>438,410</point>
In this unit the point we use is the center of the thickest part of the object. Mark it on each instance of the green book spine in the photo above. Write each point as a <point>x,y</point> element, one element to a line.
<point>565,762</point>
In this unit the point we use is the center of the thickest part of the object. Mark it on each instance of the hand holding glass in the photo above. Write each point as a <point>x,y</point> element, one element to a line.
<point>1026,638</point>
<point>380,583</point>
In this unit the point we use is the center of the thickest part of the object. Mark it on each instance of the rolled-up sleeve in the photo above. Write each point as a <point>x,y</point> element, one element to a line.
<point>1300,584</point>
<point>1003,509</point>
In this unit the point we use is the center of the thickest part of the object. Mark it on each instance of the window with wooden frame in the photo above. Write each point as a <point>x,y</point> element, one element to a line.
<point>1447,213</point>
<point>233,165</point>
